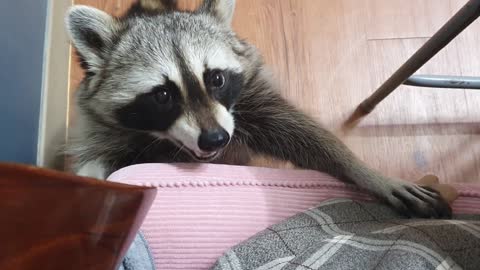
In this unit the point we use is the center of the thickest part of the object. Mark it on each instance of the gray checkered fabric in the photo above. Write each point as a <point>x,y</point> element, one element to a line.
<point>345,234</point>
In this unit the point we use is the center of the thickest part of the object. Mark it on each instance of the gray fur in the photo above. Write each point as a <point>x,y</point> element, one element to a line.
<point>140,48</point>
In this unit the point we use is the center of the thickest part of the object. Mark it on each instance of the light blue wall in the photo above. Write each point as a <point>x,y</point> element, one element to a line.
<point>22,35</point>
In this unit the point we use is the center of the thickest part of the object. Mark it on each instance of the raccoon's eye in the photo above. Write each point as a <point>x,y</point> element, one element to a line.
<point>215,79</point>
<point>162,96</point>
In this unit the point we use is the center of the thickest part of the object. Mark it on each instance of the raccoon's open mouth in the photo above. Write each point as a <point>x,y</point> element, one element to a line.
<point>201,157</point>
<point>204,157</point>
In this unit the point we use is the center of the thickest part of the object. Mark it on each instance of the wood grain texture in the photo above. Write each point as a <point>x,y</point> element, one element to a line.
<point>60,221</point>
<point>328,56</point>
<point>395,19</point>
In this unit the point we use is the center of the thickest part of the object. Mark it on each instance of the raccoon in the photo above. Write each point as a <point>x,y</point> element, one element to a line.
<point>163,85</point>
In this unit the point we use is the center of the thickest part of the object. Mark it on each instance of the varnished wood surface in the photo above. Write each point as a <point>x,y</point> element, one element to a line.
<point>57,221</point>
<point>330,55</point>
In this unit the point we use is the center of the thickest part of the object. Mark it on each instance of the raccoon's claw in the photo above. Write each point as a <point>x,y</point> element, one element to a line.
<point>421,202</point>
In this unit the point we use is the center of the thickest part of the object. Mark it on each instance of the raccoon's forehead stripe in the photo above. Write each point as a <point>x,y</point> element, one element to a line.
<point>194,89</point>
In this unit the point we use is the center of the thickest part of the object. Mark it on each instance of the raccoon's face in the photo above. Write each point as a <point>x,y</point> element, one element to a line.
<point>174,75</point>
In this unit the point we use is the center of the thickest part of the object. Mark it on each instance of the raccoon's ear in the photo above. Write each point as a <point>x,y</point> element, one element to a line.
<point>220,9</point>
<point>158,5</point>
<point>91,32</point>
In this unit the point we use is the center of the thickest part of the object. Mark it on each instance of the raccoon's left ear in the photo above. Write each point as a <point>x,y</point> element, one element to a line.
<point>92,32</point>
<point>220,9</point>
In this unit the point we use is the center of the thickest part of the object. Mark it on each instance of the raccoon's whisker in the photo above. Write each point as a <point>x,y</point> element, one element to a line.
<point>178,152</point>
<point>149,146</point>
<point>242,131</point>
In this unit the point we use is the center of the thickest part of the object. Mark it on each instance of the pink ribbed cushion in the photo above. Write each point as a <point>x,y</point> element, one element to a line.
<point>202,210</point>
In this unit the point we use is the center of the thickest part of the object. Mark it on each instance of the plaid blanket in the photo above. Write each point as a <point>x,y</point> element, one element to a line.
<point>345,234</point>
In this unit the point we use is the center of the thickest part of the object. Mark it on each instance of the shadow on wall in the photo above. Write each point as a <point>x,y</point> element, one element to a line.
<point>22,28</point>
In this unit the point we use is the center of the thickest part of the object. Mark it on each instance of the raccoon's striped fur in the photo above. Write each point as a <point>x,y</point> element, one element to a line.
<point>168,86</point>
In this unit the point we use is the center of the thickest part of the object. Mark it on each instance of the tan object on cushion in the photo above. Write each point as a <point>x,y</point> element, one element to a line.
<point>447,191</point>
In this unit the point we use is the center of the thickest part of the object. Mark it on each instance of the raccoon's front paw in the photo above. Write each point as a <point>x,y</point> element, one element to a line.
<point>415,201</point>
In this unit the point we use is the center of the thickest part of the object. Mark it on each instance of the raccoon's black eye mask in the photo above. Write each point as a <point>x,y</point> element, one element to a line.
<point>155,110</point>
<point>163,96</point>
<point>166,95</point>
<point>214,79</point>
<point>223,85</point>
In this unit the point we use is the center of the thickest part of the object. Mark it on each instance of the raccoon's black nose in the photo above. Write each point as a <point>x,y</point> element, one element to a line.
<point>211,140</point>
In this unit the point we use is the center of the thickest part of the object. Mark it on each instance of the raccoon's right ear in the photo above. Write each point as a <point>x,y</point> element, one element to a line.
<point>220,9</point>
<point>91,32</point>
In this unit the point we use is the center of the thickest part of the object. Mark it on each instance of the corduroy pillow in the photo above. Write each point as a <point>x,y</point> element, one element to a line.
<point>202,210</point>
